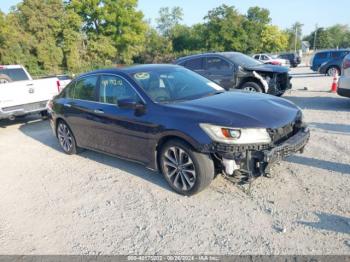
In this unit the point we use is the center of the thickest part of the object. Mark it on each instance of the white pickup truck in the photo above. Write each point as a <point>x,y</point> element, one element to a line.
<point>21,95</point>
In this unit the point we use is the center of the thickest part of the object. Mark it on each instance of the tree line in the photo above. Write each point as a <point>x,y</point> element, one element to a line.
<point>55,36</point>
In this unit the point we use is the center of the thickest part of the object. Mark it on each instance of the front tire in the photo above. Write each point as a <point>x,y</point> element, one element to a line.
<point>186,171</point>
<point>252,87</point>
<point>66,138</point>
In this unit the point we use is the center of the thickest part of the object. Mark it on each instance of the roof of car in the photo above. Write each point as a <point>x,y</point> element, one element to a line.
<point>333,50</point>
<point>130,69</point>
<point>205,54</point>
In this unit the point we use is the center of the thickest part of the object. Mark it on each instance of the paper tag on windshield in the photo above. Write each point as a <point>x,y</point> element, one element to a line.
<point>215,86</point>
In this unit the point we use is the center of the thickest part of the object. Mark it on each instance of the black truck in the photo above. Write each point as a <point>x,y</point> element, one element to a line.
<point>233,70</point>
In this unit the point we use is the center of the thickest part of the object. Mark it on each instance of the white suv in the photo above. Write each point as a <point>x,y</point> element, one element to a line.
<point>344,80</point>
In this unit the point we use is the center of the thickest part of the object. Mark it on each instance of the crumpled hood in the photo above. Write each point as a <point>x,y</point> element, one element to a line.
<point>268,68</point>
<point>240,109</point>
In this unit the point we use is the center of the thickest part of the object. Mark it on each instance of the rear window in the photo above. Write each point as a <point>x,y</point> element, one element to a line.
<point>64,77</point>
<point>17,74</point>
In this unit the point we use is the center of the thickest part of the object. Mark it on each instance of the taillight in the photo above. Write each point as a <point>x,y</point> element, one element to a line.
<point>346,64</point>
<point>58,83</point>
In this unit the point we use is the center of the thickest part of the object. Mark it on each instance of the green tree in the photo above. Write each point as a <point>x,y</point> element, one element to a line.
<point>72,42</point>
<point>337,36</point>
<point>168,19</point>
<point>188,38</point>
<point>224,31</point>
<point>273,39</point>
<point>157,49</point>
<point>257,19</point>
<point>259,15</point>
<point>116,24</point>
<point>40,21</point>
<point>17,45</point>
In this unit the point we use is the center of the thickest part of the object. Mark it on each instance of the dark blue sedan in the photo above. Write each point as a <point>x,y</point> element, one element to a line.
<point>176,121</point>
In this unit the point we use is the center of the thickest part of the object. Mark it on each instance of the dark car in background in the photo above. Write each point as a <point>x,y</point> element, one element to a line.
<point>233,70</point>
<point>332,67</point>
<point>325,56</point>
<point>293,58</point>
<point>176,121</point>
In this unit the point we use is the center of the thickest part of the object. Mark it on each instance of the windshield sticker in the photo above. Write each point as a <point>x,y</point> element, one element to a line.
<point>142,76</point>
<point>215,86</point>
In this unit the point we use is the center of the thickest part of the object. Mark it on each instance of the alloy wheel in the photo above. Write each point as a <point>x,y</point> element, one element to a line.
<point>179,168</point>
<point>249,88</point>
<point>332,71</point>
<point>65,137</point>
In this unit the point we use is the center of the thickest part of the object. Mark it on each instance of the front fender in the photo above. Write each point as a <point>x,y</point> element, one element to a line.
<point>262,81</point>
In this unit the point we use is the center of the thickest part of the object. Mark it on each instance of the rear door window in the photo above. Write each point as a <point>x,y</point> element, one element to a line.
<point>321,55</point>
<point>86,88</point>
<point>17,74</point>
<point>194,64</point>
<point>217,64</point>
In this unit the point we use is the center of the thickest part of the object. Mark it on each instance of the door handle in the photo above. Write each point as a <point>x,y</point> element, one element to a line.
<point>67,105</point>
<point>98,111</point>
<point>29,85</point>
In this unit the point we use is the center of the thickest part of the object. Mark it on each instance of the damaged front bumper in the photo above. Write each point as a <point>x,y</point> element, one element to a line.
<point>246,162</point>
<point>279,84</point>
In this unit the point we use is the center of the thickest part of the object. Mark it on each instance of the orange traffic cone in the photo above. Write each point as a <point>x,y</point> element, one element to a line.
<point>334,86</point>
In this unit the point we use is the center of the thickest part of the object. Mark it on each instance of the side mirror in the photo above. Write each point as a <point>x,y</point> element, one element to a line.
<point>129,103</point>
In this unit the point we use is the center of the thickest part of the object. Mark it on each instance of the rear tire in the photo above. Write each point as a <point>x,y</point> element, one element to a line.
<point>187,172</point>
<point>331,71</point>
<point>252,87</point>
<point>66,138</point>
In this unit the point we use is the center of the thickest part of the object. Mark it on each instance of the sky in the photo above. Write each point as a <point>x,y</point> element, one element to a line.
<point>283,12</point>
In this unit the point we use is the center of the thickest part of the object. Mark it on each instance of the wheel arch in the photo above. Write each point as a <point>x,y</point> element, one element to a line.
<point>251,79</point>
<point>57,120</point>
<point>194,145</point>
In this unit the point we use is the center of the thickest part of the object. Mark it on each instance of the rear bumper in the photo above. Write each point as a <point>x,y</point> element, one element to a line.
<point>343,92</point>
<point>344,86</point>
<point>20,110</point>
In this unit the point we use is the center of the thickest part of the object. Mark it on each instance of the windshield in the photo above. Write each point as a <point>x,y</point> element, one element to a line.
<point>242,60</point>
<point>174,85</point>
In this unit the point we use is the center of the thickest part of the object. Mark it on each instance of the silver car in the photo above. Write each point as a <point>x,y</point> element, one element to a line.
<point>344,80</point>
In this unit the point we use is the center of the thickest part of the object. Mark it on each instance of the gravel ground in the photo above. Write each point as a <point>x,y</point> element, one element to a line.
<point>91,203</point>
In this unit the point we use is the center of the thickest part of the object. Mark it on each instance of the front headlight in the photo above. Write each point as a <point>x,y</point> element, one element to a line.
<point>237,136</point>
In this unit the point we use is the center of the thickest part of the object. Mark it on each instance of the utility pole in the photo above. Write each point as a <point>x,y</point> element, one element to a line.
<point>296,39</point>
<point>315,36</point>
